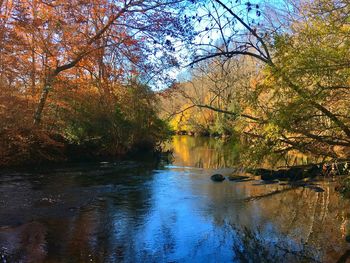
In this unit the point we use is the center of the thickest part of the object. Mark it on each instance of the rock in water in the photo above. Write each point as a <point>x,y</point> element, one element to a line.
<point>238,178</point>
<point>217,177</point>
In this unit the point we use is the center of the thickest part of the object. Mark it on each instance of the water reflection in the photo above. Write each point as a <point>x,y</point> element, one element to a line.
<point>204,152</point>
<point>139,212</point>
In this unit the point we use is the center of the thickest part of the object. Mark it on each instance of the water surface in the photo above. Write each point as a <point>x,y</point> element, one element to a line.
<point>168,212</point>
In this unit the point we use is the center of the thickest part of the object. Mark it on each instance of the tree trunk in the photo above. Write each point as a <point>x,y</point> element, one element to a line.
<point>42,101</point>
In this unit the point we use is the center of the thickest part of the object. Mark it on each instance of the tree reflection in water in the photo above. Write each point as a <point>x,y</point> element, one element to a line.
<point>142,212</point>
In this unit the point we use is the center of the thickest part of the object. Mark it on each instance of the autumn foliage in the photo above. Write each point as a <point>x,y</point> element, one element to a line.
<point>71,74</point>
<point>295,93</point>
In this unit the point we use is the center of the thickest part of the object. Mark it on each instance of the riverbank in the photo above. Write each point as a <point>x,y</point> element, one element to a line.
<point>300,172</point>
<point>27,147</point>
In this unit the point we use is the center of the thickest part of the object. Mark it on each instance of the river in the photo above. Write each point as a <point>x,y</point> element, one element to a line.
<point>168,211</point>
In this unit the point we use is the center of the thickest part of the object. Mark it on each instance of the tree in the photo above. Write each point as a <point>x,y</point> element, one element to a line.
<point>306,77</point>
<point>215,96</point>
<point>54,53</point>
<point>56,37</point>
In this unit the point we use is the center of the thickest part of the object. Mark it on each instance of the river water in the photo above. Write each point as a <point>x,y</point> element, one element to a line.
<point>170,211</point>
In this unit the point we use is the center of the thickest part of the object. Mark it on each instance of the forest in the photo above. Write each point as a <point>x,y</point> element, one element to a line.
<point>282,86</point>
<point>174,131</point>
<point>102,79</point>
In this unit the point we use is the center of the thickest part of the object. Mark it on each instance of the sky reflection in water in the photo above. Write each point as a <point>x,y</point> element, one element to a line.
<point>143,212</point>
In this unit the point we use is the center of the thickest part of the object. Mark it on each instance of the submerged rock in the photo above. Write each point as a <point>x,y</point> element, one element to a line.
<point>238,178</point>
<point>217,177</point>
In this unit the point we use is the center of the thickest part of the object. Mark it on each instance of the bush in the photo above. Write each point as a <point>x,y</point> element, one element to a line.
<point>21,142</point>
<point>124,123</point>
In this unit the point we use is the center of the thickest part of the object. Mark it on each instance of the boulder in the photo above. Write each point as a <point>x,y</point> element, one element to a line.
<point>217,177</point>
<point>313,171</point>
<point>292,174</point>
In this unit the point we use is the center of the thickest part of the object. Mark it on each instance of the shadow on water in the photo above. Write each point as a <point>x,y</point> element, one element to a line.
<point>147,212</point>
